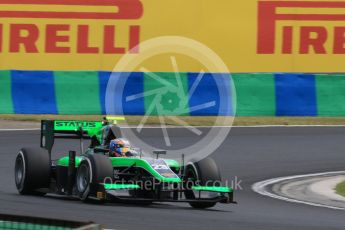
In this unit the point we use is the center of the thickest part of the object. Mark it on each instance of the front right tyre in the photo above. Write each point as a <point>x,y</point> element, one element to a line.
<point>92,171</point>
<point>202,173</point>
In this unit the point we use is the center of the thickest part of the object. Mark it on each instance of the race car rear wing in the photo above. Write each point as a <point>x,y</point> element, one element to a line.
<point>52,129</point>
<point>69,129</point>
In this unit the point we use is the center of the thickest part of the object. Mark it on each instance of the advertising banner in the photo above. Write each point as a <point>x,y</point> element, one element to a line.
<point>249,36</point>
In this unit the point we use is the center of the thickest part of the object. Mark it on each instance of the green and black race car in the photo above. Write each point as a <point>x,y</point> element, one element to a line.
<point>95,175</point>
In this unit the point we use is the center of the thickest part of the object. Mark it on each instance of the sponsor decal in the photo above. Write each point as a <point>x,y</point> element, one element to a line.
<point>65,36</point>
<point>72,125</point>
<point>116,173</point>
<point>160,167</point>
<point>169,175</point>
<point>311,38</point>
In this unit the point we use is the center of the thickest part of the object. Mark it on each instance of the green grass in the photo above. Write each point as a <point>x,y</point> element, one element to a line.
<point>196,121</point>
<point>340,188</point>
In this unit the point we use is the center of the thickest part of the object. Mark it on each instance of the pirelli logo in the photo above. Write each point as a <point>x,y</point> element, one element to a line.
<point>66,36</point>
<point>306,27</point>
<point>72,9</point>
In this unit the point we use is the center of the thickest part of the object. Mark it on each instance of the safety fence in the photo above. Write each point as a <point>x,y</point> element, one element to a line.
<point>245,94</point>
<point>9,222</point>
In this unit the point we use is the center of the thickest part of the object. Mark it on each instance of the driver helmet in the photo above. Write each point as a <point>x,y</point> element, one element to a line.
<point>119,147</point>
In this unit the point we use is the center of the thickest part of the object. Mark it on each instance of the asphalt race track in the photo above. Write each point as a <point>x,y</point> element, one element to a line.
<point>251,154</point>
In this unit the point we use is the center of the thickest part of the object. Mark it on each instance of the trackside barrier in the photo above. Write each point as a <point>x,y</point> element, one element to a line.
<point>257,94</point>
<point>8,222</point>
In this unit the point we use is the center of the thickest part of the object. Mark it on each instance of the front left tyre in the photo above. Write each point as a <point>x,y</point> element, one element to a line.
<point>32,171</point>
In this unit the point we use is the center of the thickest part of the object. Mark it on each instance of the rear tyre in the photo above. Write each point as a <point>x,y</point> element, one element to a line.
<point>32,171</point>
<point>93,170</point>
<point>201,173</point>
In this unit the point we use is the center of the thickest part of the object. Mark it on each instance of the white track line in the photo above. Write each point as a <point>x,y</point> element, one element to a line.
<point>285,126</point>
<point>19,129</point>
<point>182,127</point>
<point>252,126</point>
<point>261,188</point>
